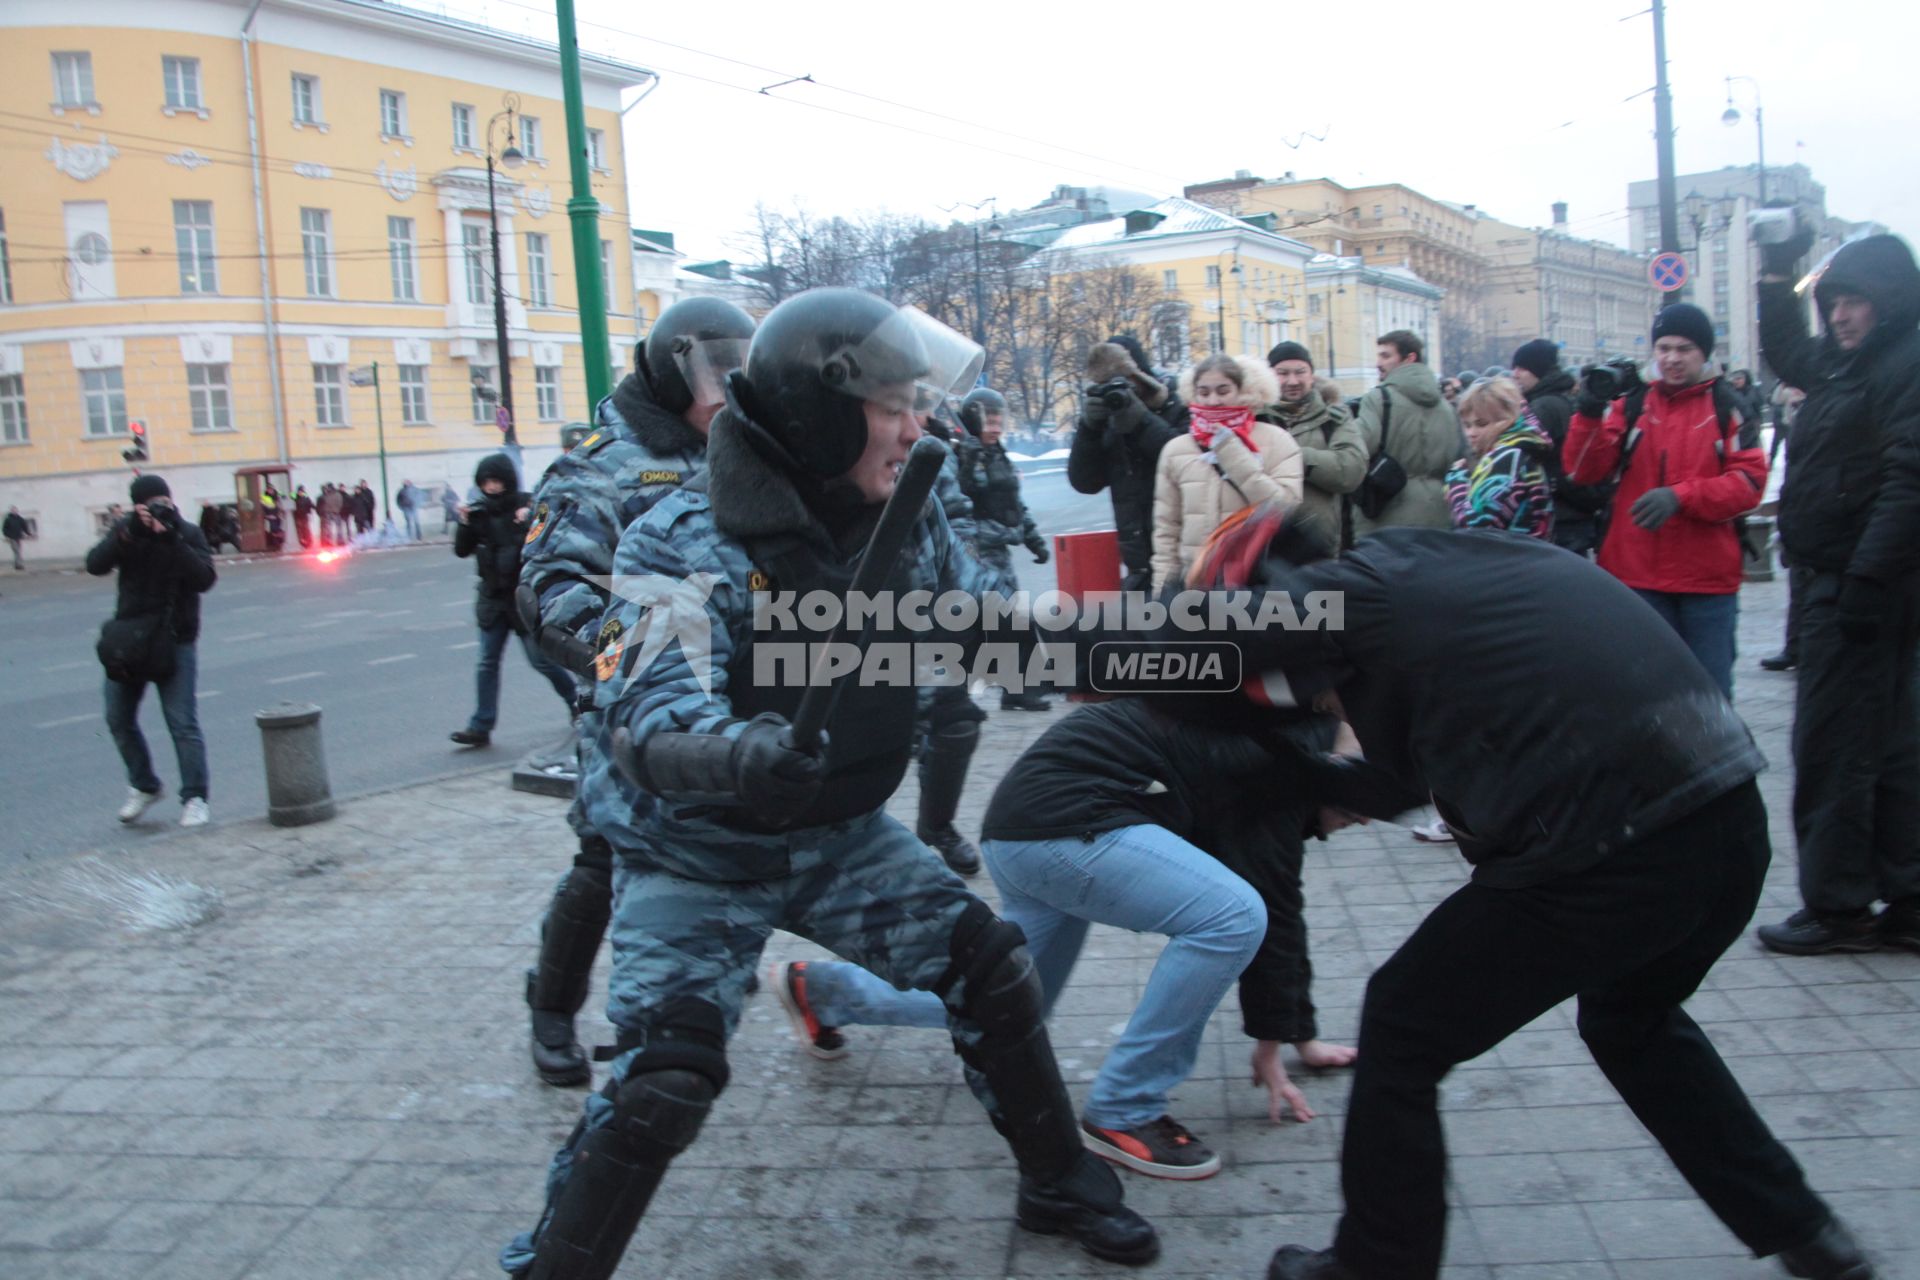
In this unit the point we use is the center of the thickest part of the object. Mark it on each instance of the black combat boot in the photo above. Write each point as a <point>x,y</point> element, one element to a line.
<point>943,775</point>
<point>1833,1254</point>
<point>557,986</point>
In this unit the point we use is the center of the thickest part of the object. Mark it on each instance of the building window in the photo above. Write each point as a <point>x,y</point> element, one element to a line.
<point>182,76</point>
<point>1213,276</point>
<point>73,80</point>
<point>530,146</point>
<point>1216,336</point>
<point>597,149</point>
<point>606,274</point>
<point>105,396</point>
<point>329,395</point>
<point>91,250</point>
<point>546,391</point>
<point>306,100</point>
<point>193,244</point>
<point>1379,211</point>
<point>539,292</point>
<point>207,392</point>
<point>393,114</point>
<point>462,127</point>
<point>400,259</point>
<point>316,247</point>
<point>473,251</point>
<point>483,404</point>
<point>413,395</point>
<point>6,263</point>
<point>1170,279</point>
<point>13,409</point>
<point>1313,304</point>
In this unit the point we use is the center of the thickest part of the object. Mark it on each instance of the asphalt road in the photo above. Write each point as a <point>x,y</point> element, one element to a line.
<point>383,642</point>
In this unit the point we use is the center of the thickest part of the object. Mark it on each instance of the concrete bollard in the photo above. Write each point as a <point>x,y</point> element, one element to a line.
<point>297,788</point>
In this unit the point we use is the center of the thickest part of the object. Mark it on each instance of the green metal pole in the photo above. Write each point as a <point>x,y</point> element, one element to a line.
<point>380,425</point>
<point>583,210</point>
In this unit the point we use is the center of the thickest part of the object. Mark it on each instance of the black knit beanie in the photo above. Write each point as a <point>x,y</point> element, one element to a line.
<point>1684,320</point>
<point>1539,357</point>
<point>147,488</point>
<point>1289,351</point>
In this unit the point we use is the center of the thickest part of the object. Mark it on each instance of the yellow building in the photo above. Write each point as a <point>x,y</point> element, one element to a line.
<point>214,213</point>
<point>1592,298</point>
<point>1350,305</point>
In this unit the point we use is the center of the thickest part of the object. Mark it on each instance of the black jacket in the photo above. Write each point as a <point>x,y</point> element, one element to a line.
<point>1551,402</point>
<point>493,536</point>
<point>157,570</point>
<point>1551,713</point>
<point>1244,798</point>
<point>1851,501</point>
<point>991,482</point>
<point>15,526</point>
<point>1122,454</point>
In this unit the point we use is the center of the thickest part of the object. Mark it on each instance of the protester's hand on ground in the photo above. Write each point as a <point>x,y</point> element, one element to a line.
<point>1281,1091</point>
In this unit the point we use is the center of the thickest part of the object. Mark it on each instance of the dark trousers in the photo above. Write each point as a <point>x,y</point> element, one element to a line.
<point>493,643</point>
<point>179,706</point>
<point>1632,938</point>
<point>1856,754</point>
<point>1707,623</point>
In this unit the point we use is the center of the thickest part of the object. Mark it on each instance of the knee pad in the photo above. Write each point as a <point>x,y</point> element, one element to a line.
<point>1002,991</point>
<point>672,1083</point>
<point>595,854</point>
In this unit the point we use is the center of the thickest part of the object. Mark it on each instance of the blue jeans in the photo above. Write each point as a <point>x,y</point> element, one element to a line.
<point>493,642</point>
<point>1143,878</point>
<point>1707,623</point>
<point>178,705</point>
<point>412,518</point>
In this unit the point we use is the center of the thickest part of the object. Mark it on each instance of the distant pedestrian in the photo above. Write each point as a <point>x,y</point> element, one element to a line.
<point>363,507</point>
<point>1411,436</point>
<point>303,516</point>
<point>449,507</point>
<point>493,533</point>
<point>164,565</point>
<point>408,500</point>
<point>333,522</point>
<point>16,530</point>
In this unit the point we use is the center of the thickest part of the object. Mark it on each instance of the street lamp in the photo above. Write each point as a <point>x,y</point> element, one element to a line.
<point>512,159</point>
<point>1731,117</point>
<point>979,279</point>
<point>1220,289</point>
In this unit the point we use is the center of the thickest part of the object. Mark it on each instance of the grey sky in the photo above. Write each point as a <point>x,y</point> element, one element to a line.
<point>1510,106</point>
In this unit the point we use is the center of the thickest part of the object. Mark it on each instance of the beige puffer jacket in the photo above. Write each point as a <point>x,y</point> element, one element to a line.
<point>1195,490</point>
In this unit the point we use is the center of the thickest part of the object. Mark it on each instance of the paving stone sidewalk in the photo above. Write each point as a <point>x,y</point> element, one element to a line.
<point>328,1078</point>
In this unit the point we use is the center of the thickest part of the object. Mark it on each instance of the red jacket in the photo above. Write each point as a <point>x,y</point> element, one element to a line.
<point>1681,448</point>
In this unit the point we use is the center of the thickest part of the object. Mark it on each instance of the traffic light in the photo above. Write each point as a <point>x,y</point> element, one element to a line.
<point>137,451</point>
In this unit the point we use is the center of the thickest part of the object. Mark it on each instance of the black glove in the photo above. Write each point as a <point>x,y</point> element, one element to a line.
<point>1038,545</point>
<point>1861,608</point>
<point>1093,410</point>
<point>775,778</point>
<point>1654,508</point>
<point>1783,259</point>
<point>1588,405</point>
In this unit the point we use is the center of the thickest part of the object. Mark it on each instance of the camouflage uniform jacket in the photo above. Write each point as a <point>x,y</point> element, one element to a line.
<point>685,607</point>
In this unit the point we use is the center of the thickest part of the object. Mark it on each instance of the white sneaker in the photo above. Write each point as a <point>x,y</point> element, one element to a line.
<point>1434,832</point>
<point>138,802</point>
<point>195,813</point>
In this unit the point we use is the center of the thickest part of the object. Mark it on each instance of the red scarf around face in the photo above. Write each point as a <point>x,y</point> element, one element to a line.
<point>1209,420</point>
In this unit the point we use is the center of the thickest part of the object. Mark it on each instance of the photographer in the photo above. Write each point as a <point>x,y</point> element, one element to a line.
<point>1850,524</point>
<point>1549,393</point>
<point>1685,465</point>
<point>1127,416</point>
<point>164,565</point>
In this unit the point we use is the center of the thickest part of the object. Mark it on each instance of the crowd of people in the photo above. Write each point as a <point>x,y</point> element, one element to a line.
<point>1540,572</point>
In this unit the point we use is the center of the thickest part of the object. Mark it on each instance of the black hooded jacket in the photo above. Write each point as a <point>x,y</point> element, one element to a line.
<point>1851,501</point>
<point>1123,454</point>
<point>493,534</point>
<point>157,570</point>
<point>1551,402</point>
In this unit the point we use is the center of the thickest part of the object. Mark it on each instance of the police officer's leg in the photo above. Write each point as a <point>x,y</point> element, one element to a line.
<point>953,732</point>
<point>682,953</point>
<point>878,897</point>
<point>569,940</point>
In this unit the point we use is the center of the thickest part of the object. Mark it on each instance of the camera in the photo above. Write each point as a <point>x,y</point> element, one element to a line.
<point>1612,379</point>
<point>1113,393</point>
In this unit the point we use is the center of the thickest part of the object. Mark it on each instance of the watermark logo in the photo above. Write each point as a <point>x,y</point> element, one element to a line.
<point>655,611</point>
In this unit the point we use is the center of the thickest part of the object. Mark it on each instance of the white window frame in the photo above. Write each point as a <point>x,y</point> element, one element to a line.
<point>485,412</point>
<point>465,126</point>
<point>393,124</point>
<point>210,397</point>
<point>316,251</point>
<point>403,260</point>
<point>539,269</point>
<point>531,139</point>
<point>597,150</point>
<point>1213,275</point>
<point>546,391</point>
<point>13,409</point>
<point>476,263</point>
<point>180,80</point>
<point>329,395</point>
<point>103,394</point>
<point>606,276</point>
<point>314,118</point>
<point>1170,280</point>
<point>73,82</point>
<point>193,247</point>
<point>413,395</point>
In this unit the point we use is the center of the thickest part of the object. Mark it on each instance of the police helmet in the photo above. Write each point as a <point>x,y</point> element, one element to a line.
<point>691,349</point>
<point>980,402</point>
<point>820,356</point>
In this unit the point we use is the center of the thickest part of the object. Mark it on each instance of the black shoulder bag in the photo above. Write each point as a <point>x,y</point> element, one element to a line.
<point>140,649</point>
<point>1385,476</point>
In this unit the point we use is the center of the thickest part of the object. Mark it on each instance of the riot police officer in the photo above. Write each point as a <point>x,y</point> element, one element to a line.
<point>650,438</point>
<point>725,827</point>
<point>1001,518</point>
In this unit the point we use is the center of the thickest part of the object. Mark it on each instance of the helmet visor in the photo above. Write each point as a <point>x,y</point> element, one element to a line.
<point>705,364</point>
<point>910,358</point>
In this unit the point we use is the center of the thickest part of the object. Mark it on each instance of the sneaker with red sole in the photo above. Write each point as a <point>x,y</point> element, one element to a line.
<point>1164,1148</point>
<point>789,981</point>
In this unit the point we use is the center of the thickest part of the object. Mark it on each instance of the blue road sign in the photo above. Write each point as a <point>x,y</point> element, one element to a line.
<point>1668,271</point>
